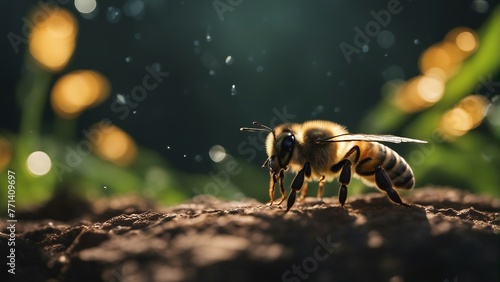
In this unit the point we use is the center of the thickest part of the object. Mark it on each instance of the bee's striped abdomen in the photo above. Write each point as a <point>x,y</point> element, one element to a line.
<point>374,155</point>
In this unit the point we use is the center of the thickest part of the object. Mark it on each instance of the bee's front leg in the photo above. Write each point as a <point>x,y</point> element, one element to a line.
<point>272,183</point>
<point>282,189</point>
<point>297,183</point>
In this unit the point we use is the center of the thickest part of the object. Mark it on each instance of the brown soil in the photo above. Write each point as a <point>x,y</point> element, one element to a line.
<point>447,235</point>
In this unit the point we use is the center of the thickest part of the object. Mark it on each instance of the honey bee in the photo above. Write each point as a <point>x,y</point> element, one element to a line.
<point>321,150</point>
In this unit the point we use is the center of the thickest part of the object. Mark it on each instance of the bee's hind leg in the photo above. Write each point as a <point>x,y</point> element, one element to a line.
<point>344,179</point>
<point>383,182</point>
<point>303,192</point>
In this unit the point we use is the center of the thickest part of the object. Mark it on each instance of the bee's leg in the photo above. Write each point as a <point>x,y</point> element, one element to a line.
<point>344,166</point>
<point>272,183</point>
<point>282,189</point>
<point>344,179</point>
<point>320,187</point>
<point>303,193</point>
<point>384,182</point>
<point>297,183</point>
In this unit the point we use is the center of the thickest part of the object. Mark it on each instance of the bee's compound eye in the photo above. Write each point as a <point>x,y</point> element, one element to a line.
<point>287,143</point>
<point>274,164</point>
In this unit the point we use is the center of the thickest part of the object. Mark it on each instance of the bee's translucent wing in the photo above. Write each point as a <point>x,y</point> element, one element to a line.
<point>370,138</point>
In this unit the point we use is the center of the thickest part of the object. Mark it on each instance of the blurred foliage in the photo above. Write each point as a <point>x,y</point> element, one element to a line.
<point>85,167</point>
<point>471,158</point>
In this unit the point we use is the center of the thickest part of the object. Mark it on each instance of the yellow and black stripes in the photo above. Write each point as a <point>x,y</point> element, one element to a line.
<point>376,155</point>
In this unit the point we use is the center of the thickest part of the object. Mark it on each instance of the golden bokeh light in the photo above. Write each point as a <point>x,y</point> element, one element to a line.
<point>464,38</point>
<point>420,93</point>
<point>78,90</point>
<point>5,153</point>
<point>444,56</point>
<point>115,145</point>
<point>468,114</point>
<point>52,41</point>
<point>448,55</point>
<point>430,89</point>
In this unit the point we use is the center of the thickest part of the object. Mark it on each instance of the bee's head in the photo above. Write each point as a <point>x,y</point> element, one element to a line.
<point>280,151</point>
<point>279,147</point>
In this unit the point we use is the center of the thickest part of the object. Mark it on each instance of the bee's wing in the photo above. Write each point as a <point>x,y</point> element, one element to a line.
<point>370,138</point>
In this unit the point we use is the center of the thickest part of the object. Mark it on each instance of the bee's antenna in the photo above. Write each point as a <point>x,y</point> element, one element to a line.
<point>253,129</point>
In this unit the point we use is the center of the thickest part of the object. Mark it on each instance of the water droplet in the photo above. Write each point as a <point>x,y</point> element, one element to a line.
<point>416,41</point>
<point>259,69</point>
<point>386,55</point>
<point>393,72</point>
<point>184,155</point>
<point>121,99</point>
<point>128,59</point>
<point>85,6</point>
<point>217,153</point>
<point>134,8</point>
<point>168,147</point>
<point>211,72</point>
<point>229,60</point>
<point>480,6</point>
<point>198,158</point>
<point>208,37</point>
<point>113,14</point>
<point>233,90</point>
<point>134,112</point>
<point>317,111</point>
<point>156,67</point>
<point>385,39</point>
<point>365,48</point>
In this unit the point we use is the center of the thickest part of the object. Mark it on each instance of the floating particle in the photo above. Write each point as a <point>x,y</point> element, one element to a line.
<point>317,111</point>
<point>233,90</point>
<point>217,153</point>
<point>156,67</point>
<point>113,14</point>
<point>385,39</point>
<point>121,99</point>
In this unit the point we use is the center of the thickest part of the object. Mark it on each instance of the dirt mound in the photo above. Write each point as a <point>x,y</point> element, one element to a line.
<point>447,235</point>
